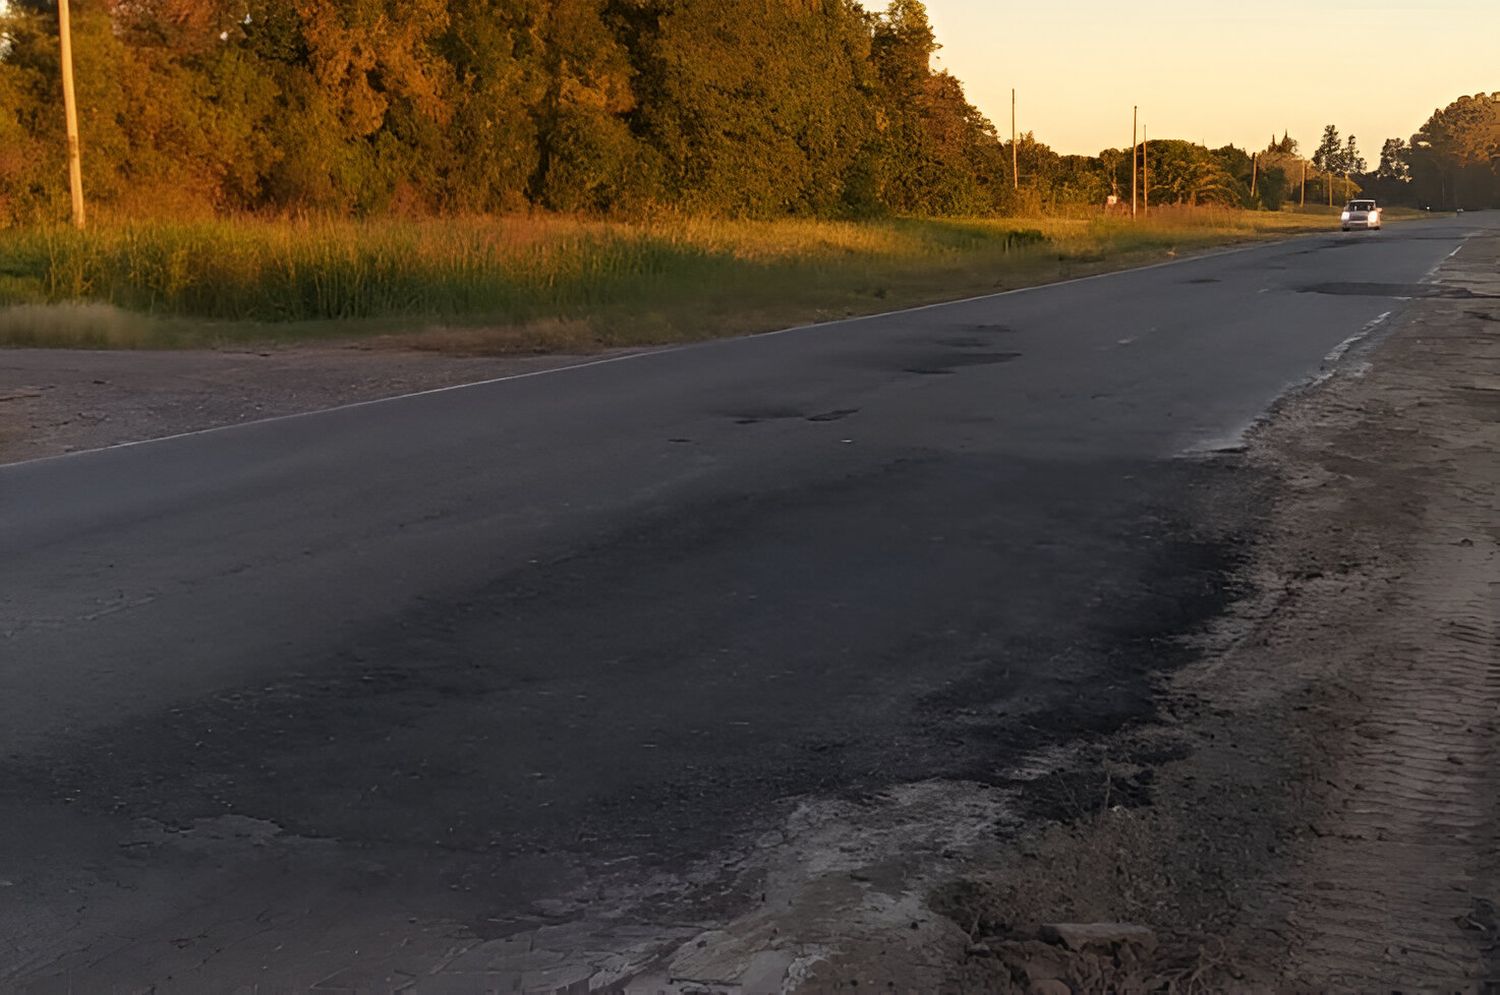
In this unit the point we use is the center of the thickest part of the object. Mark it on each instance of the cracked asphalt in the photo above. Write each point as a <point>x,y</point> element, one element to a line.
<point>426,668</point>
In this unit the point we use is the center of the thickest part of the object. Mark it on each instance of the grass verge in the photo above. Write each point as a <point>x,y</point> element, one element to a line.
<point>541,284</point>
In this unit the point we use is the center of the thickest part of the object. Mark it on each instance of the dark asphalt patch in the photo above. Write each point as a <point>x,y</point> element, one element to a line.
<point>1410,236</point>
<point>1203,279</point>
<point>1411,290</point>
<point>1192,581</point>
<point>755,416</point>
<point>659,692</point>
<point>946,363</point>
<point>1337,243</point>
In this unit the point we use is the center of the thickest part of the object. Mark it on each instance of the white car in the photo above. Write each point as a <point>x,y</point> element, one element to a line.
<point>1360,214</point>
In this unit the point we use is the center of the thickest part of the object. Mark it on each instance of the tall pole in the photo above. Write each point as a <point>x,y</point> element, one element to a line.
<point>1015,170</point>
<point>70,111</point>
<point>1254,171</point>
<point>1134,164</point>
<point>1304,184</point>
<point>1145,172</point>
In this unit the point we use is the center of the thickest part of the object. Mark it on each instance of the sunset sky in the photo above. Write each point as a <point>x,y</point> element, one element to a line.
<point>1219,73</point>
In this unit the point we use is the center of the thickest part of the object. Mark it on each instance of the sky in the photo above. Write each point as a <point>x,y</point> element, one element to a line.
<point>1217,72</point>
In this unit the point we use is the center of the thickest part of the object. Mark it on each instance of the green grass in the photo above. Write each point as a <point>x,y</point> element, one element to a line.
<point>544,283</point>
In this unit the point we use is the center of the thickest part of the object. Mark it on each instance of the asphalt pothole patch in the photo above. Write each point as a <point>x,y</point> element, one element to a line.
<point>1411,290</point>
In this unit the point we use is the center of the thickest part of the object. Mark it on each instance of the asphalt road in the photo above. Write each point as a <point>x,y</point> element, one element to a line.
<point>476,645</point>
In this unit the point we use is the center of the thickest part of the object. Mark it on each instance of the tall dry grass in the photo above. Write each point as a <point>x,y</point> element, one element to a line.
<point>511,283</point>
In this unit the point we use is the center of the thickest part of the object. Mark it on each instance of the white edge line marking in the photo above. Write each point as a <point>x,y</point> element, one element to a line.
<point>1427,277</point>
<point>1235,441</point>
<point>1337,353</point>
<point>343,407</point>
<point>663,350</point>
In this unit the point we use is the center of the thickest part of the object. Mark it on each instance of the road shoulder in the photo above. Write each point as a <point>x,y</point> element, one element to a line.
<point>56,401</point>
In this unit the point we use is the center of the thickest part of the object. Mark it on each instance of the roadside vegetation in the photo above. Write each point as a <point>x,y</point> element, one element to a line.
<point>564,174</point>
<point>545,283</point>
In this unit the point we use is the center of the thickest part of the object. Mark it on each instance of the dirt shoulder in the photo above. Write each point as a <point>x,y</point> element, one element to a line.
<point>1331,821</point>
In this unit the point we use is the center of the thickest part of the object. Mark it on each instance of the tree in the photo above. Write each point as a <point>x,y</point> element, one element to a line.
<point>179,25</point>
<point>903,45</point>
<point>498,89</point>
<point>1350,161</point>
<point>1330,152</point>
<point>1271,191</point>
<point>365,54</point>
<point>1189,174</point>
<point>1395,161</point>
<point>1286,146</point>
<point>1455,158</point>
<point>935,153</point>
<point>766,115</point>
<point>783,107</point>
<point>587,157</point>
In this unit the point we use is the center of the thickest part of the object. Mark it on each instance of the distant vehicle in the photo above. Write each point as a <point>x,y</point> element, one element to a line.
<point>1360,214</point>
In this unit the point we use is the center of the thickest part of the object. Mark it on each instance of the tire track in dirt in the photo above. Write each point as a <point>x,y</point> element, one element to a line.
<point>1395,879</point>
<point>1398,883</point>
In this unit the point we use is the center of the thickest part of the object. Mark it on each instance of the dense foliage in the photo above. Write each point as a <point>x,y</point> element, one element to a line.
<point>1454,161</point>
<point>749,108</point>
<point>811,107</point>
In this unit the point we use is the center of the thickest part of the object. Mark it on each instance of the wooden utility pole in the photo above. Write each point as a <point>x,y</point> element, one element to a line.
<point>1254,171</point>
<point>70,111</point>
<point>1134,130</point>
<point>1145,172</point>
<point>1015,171</point>
<point>1303,202</point>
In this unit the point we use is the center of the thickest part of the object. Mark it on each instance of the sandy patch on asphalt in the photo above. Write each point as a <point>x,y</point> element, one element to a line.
<point>55,401</point>
<point>1335,823</point>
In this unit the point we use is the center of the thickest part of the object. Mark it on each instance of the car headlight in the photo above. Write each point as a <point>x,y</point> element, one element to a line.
<point>1344,216</point>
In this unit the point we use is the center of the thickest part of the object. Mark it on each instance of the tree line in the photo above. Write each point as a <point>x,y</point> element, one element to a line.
<point>757,108</point>
<point>736,107</point>
<point>1453,161</point>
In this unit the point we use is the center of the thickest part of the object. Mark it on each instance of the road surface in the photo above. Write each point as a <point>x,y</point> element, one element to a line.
<point>478,647</point>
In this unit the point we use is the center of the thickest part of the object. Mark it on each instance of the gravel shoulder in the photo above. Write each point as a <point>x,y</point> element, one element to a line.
<point>55,401</point>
